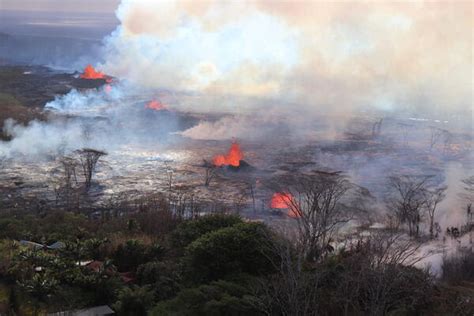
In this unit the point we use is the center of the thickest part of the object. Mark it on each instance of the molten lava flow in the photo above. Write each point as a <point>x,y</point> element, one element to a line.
<point>233,157</point>
<point>284,201</point>
<point>281,200</point>
<point>91,73</point>
<point>155,105</point>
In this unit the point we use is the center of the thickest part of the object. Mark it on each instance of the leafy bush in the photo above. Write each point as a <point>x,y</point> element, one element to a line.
<point>241,248</point>
<point>217,298</point>
<point>190,230</point>
<point>131,254</point>
<point>133,301</point>
<point>164,278</point>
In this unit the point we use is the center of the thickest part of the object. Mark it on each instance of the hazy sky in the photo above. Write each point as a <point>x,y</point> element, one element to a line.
<point>106,6</point>
<point>92,19</point>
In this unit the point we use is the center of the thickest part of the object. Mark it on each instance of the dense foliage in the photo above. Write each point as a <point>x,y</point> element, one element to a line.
<point>212,265</point>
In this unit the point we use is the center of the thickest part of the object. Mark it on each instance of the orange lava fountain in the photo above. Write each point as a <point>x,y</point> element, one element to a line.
<point>233,157</point>
<point>91,73</point>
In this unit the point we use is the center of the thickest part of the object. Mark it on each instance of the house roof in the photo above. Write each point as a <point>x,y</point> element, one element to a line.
<point>102,310</point>
<point>35,245</point>
<point>57,245</point>
<point>31,244</point>
<point>95,265</point>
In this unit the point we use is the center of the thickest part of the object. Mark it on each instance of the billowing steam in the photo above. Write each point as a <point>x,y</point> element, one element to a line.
<point>106,118</point>
<point>323,56</point>
<point>282,65</point>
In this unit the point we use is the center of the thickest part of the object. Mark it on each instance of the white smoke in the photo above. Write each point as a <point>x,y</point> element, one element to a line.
<point>171,47</point>
<point>322,56</point>
<point>39,138</point>
<point>104,118</point>
<point>86,102</point>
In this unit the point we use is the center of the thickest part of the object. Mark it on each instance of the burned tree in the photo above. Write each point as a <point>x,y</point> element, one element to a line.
<point>251,187</point>
<point>292,290</point>
<point>210,172</point>
<point>447,140</point>
<point>408,200</point>
<point>433,198</point>
<point>88,159</point>
<point>373,276</point>
<point>468,194</point>
<point>405,131</point>
<point>69,165</point>
<point>377,128</point>
<point>468,197</point>
<point>382,267</point>
<point>435,136</point>
<point>315,201</point>
<point>68,183</point>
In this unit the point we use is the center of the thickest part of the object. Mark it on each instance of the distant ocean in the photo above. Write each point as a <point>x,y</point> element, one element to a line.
<point>66,40</point>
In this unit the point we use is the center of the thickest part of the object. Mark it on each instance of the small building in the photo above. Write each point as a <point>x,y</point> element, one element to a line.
<point>36,246</point>
<point>102,310</point>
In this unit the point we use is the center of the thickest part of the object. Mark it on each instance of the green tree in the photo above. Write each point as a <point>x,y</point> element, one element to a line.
<point>163,276</point>
<point>241,248</point>
<point>217,298</point>
<point>190,230</point>
<point>39,287</point>
<point>131,254</point>
<point>133,301</point>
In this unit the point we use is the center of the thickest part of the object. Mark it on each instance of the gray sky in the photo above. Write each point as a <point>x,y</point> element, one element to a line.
<point>105,6</point>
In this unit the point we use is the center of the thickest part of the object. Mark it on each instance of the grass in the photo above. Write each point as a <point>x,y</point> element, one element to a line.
<point>8,100</point>
<point>4,298</point>
<point>10,73</point>
<point>11,107</point>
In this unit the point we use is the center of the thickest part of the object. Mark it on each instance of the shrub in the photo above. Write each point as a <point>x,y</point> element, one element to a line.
<point>190,230</point>
<point>458,267</point>
<point>131,254</point>
<point>217,298</point>
<point>241,248</point>
<point>162,276</point>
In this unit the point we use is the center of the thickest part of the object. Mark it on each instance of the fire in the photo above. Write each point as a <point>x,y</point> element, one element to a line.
<point>155,105</point>
<point>282,200</point>
<point>233,157</point>
<point>91,73</point>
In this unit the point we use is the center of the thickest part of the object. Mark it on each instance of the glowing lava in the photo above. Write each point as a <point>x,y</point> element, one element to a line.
<point>155,105</point>
<point>91,73</point>
<point>233,157</point>
<point>284,201</point>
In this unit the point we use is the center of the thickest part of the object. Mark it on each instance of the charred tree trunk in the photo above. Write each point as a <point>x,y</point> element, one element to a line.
<point>88,159</point>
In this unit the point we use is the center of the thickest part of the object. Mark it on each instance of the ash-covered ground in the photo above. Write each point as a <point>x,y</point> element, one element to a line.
<point>166,151</point>
<point>151,151</point>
